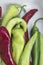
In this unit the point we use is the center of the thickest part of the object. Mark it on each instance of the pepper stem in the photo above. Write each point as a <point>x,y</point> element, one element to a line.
<point>22,9</point>
<point>37,21</point>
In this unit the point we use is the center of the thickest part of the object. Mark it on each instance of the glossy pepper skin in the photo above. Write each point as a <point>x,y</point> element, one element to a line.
<point>5,47</point>
<point>27,17</point>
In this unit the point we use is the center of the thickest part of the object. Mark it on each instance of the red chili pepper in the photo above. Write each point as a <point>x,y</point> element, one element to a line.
<point>27,17</point>
<point>5,47</point>
<point>0,12</point>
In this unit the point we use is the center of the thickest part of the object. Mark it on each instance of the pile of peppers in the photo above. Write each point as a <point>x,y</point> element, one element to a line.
<point>15,46</point>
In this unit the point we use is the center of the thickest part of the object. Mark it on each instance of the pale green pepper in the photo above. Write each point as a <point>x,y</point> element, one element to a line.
<point>15,21</point>
<point>18,37</point>
<point>17,44</point>
<point>25,57</point>
<point>11,12</point>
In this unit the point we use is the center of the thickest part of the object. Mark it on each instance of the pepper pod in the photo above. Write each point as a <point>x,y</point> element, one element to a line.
<point>36,47</point>
<point>27,17</point>
<point>41,50</point>
<point>5,47</point>
<point>35,50</point>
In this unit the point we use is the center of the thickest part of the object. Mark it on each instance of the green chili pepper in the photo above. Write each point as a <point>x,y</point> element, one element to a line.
<point>18,37</point>
<point>36,47</point>
<point>25,57</point>
<point>17,44</point>
<point>35,50</point>
<point>11,12</point>
<point>41,50</point>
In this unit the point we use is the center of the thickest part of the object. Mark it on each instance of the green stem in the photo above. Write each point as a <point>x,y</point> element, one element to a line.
<point>22,9</point>
<point>37,21</point>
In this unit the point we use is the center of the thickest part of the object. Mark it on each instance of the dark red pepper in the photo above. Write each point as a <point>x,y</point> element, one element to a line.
<point>5,47</point>
<point>27,17</point>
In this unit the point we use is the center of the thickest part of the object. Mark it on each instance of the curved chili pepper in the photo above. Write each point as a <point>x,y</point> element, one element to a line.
<point>5,47</point>
<point>27,17</point>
